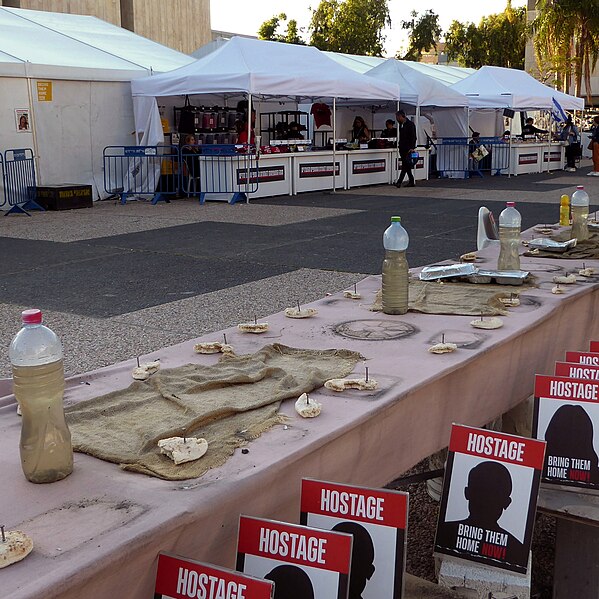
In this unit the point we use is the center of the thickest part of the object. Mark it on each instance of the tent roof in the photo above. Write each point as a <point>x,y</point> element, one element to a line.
<point>499,87</point>
<point>64,46</point>
<point>360,64</point>
<point>416,87</point>
<point>264,68</point>
<point>442,73</point>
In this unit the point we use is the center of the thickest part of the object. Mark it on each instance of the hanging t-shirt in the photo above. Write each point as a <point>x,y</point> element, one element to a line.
<point>322,114</point>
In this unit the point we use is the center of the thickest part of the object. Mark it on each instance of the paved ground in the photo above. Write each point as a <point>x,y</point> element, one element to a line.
<point>120,281</point>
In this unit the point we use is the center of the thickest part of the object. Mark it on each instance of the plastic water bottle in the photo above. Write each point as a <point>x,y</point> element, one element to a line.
<point>580,214</point>
<point>395,268</point>
<point>509,238</point>
<point>38,375</point>
<point>564,210</point>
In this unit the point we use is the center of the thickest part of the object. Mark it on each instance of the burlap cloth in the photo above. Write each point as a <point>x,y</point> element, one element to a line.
<point>227,404</point>
<point>584,250</point>
<point>466,299</point>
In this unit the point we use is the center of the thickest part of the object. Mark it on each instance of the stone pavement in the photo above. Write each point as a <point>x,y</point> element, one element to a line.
<point>116,282</point>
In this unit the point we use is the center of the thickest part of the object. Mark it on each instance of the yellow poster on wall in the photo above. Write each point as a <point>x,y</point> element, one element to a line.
<point>44,91</point>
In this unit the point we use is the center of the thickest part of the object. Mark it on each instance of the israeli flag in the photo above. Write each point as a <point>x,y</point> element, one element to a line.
<point>558,112</point>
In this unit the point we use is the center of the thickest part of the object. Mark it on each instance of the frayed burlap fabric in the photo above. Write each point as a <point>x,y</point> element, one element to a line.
<point>466,299</point>
<point>227,404</point>
<point>584,250</point>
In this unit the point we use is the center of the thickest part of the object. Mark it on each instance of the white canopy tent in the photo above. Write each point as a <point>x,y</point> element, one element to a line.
<point>89,64</point>
<point>259,69</point>
<point>499,87</point>
<point>446,107</point>
<point>262,69</point>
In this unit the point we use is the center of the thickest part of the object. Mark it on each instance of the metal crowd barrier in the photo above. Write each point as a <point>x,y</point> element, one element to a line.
<point>220,170</point>
<point>454,155</point>
<point>18,180</point>
<point>141,170</point>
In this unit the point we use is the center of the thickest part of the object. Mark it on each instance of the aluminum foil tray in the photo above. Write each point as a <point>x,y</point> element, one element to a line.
<point>432,273</point>
<point>549,245</point>
<point>505,277</point>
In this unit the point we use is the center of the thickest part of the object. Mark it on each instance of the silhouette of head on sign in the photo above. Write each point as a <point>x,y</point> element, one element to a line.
<point>291,582</point>
<point>362,557</point>
<point>488,493</point>
<point>569,434</point>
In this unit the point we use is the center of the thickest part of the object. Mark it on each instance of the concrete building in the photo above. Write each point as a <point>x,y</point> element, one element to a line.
<point>183,25</point>
<point>530,62</point>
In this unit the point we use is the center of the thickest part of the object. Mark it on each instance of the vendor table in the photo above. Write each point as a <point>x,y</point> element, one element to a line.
<point>536,157</point>
<point>369,167</point>
<point>97,533</point>
<point>274,175</point>
<point>313,171</point>
<point>421,169</point>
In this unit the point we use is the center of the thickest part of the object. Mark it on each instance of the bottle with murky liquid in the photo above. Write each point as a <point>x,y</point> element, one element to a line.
<point>564,210</point>
<point>395,268</point>
<point>38,376</point>
<point>580,214</point>
<point>509,238</point>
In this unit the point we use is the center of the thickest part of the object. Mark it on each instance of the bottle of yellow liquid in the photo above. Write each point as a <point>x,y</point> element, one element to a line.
<point>564,211</point>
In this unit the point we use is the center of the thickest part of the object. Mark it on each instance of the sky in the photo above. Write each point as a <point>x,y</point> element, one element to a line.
<point>243,16</point>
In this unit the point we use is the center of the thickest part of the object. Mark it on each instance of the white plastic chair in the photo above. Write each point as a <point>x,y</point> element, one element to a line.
<point>487,229</point>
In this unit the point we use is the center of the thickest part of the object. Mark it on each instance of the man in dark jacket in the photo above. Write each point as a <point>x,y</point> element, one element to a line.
<point>406,145</point>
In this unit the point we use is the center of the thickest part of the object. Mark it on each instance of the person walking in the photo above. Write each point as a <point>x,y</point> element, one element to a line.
<point>405,146</point>
<point>571,136</point>
<point>594,146</point>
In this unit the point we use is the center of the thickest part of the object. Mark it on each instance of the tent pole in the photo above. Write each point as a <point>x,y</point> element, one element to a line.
<point>33,129</point>
<point>249,157</point>
<point>396,144</point>
<point>335,145</point>
<point>550,133</point>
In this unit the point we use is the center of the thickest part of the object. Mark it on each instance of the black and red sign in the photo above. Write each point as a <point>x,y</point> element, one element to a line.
<point>301,561</point>
<point>489,497</point>
<point>262,174</point>
<point>181,578</point>
<point>566,416</point>
<point>552,156</point>
<point>309,170</point>
<point>377,520</point>
<point>528,158</point>
<point>360,167</point>
<point>581,357</point>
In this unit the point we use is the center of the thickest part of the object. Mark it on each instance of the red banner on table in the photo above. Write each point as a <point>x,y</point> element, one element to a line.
<point>489,499</point>
<point>307,561</point>
<point>581,357</point>
<point>376,518</point>
<point>566,416</point>
<point>576,371</point>
<point>181,578</point>
<point>594,347</point>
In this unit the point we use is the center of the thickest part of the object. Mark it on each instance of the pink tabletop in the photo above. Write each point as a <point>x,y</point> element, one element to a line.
<point>98,532</point>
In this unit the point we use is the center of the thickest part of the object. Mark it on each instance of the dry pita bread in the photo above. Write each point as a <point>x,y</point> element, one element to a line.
<point>16,547</point>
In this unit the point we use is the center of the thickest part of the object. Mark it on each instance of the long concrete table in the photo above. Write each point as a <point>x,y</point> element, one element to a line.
<point>98,532</point>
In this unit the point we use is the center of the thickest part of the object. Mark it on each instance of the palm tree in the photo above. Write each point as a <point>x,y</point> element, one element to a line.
<point>567,40</point>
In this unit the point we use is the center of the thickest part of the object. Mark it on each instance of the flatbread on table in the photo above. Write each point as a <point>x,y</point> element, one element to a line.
<point>16,547</point>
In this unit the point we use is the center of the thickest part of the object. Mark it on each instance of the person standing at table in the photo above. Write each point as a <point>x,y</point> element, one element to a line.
<point>406,145</point>
<point>594,146</point>
<point>389,132</point>
<point>360,131</point>
<point>530,129</point>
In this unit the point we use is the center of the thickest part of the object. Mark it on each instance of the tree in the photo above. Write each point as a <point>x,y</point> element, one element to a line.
<point>424,35</point>
<point>567,41</point>
<point>268,30</point>
<point>498,40</point>
<point>350,26</point>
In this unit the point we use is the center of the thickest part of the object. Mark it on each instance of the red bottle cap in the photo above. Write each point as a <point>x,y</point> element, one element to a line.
<point>580,187</point>
<point>512,204</point>
<point>33,316</point>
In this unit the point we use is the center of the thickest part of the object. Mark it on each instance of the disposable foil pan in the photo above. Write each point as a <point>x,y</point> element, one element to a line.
<point>505,277</point>
<point>432,273</point>
<point>549,245</point>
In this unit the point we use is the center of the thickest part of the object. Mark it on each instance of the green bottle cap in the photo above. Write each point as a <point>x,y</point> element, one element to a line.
<point>396,219</point>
